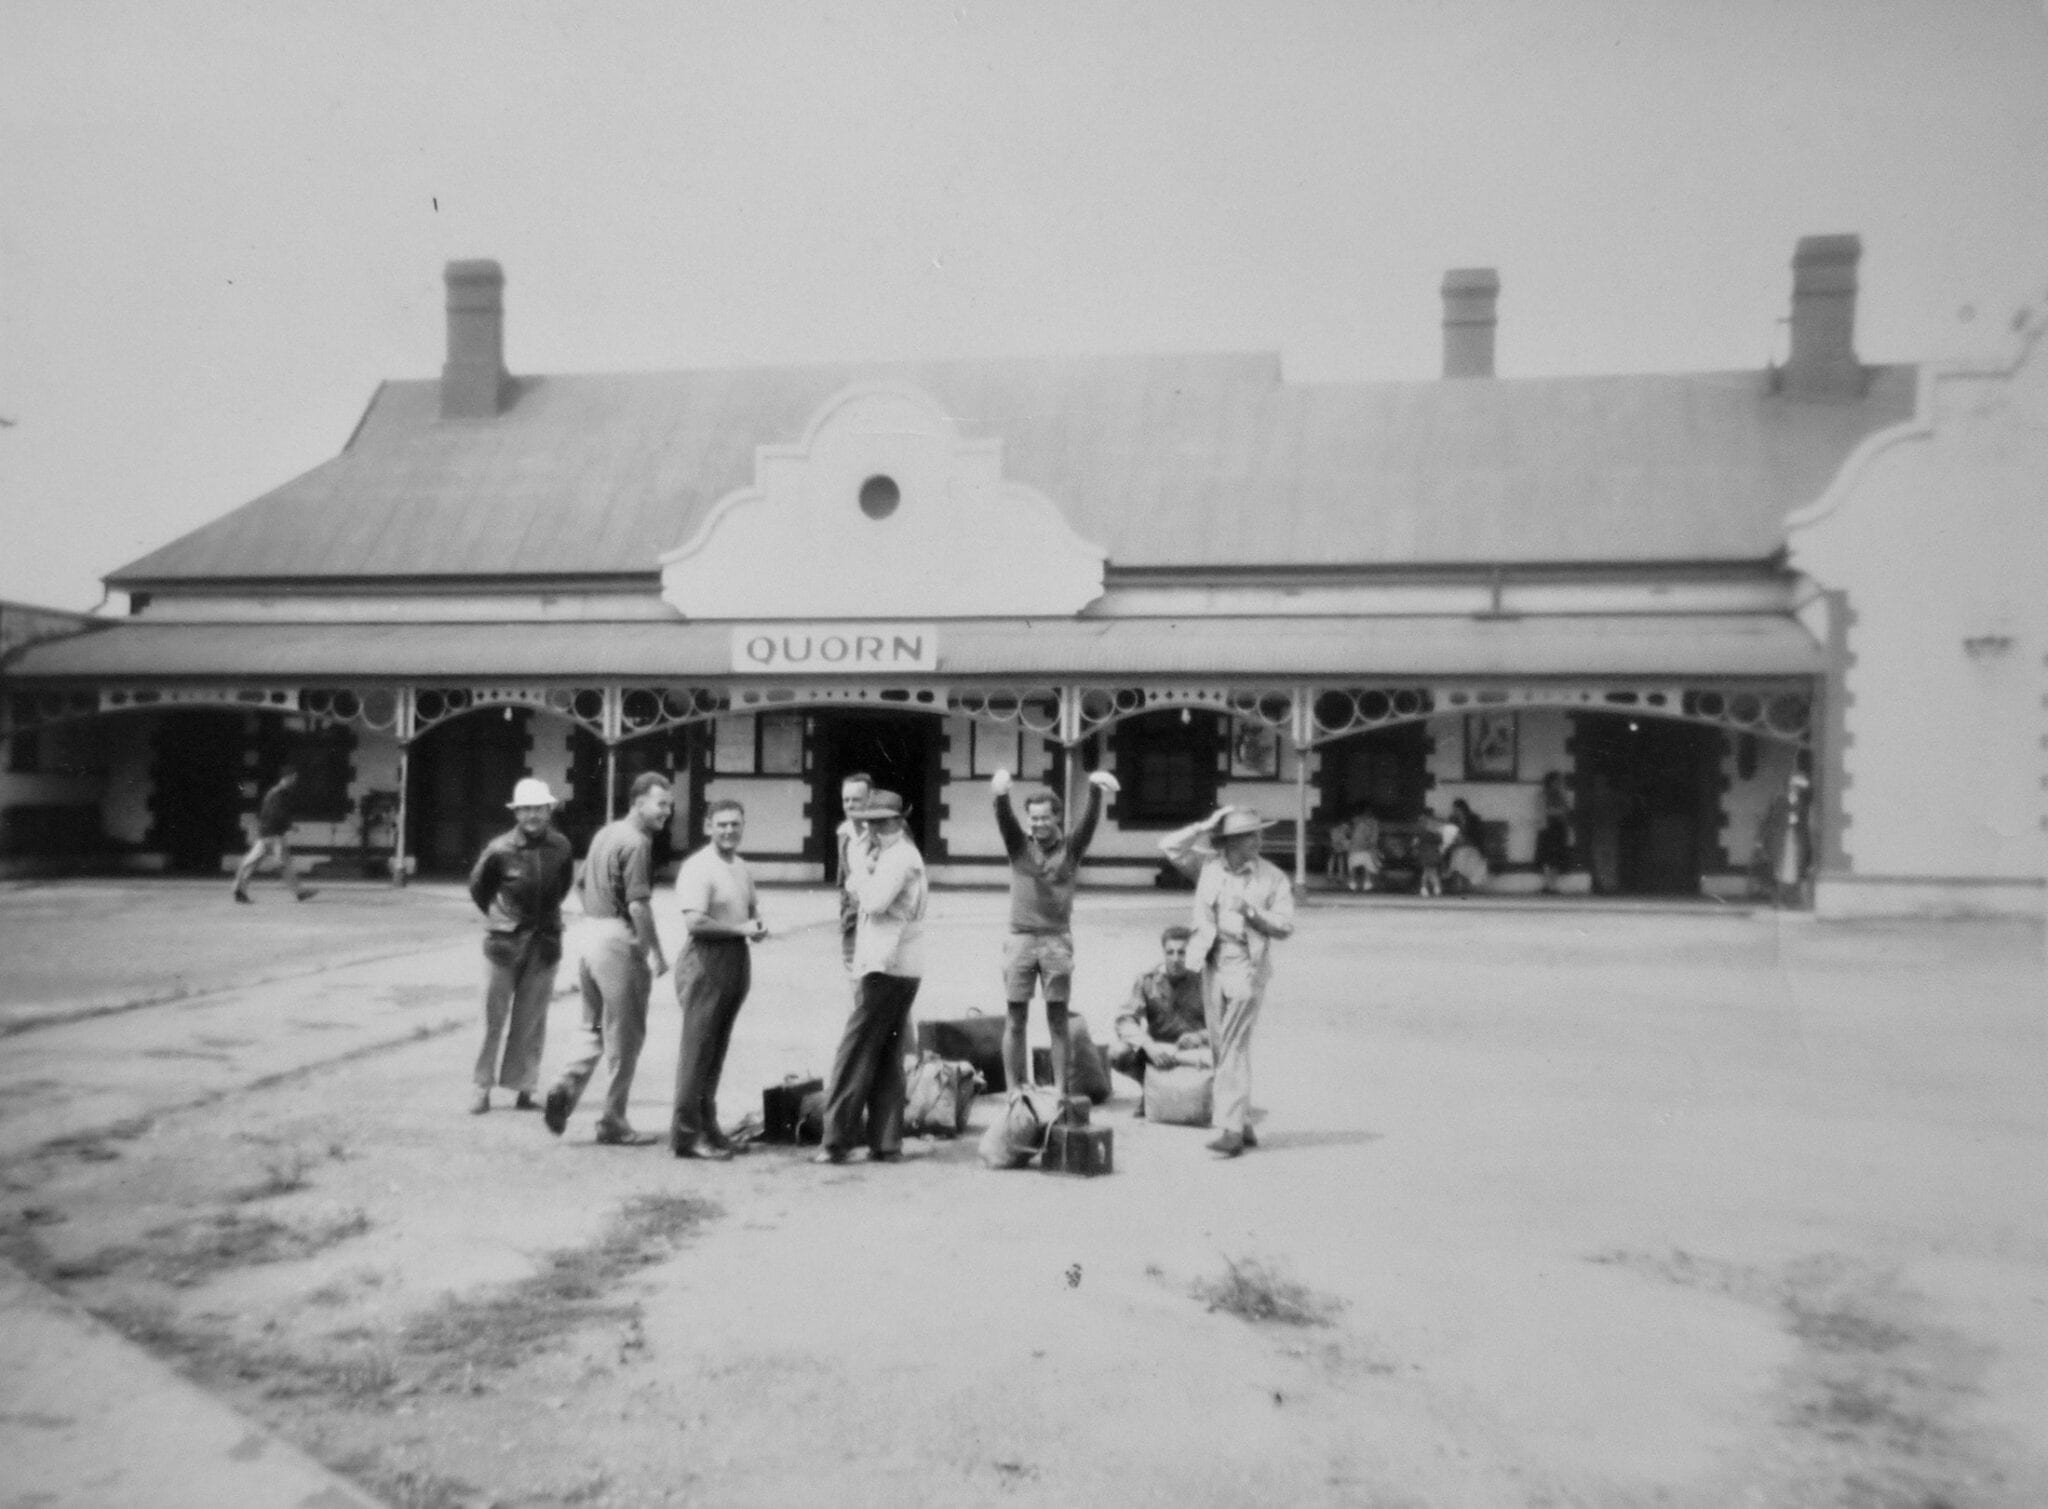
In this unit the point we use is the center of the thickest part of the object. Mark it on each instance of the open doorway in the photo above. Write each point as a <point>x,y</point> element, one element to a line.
<point>1648,795</point>
<point>461,776</point>
<point>900,750</point>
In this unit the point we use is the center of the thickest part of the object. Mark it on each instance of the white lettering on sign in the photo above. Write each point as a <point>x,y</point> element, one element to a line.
<point>835,649</point>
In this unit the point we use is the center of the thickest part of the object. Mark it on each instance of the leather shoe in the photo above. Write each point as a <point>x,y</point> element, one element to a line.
<point>479,1102</point>
<point>623,1137</point>
<point>1251,1138</point>
<point>829,1155</point>
<point>524,1101</point>
<point>308,893</point>
<point>885,1155</point>
<point>1229,1145</point>
<point>703,1149</point>
<point>555,1114</point>
<point>244,898</point>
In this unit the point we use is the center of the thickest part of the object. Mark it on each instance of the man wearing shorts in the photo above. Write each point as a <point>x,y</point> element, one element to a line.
<point>273,839</point>
<point>1044,868</point>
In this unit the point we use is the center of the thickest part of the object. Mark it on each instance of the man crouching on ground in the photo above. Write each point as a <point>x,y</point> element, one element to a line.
<point>722,917</point>
<point>1242,903</point>
<point>1163,1016</point>
<point>888,962</point>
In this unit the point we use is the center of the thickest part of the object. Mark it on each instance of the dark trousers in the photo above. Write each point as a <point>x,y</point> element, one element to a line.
<point>711,986</point>
<point>867,1073</point>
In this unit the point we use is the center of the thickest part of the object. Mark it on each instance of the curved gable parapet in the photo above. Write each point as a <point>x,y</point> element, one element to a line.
<point>882,509</point>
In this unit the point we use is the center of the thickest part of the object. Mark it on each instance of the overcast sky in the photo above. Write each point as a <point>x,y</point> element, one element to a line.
<point>221,225</point>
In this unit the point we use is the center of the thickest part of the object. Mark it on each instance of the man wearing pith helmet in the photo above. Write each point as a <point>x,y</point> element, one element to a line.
<point>1242,905</point>
<point>519,883</point>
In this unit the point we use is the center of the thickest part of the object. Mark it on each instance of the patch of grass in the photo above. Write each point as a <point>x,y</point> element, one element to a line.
<point>464,1336</point>
<point>283,1174</point>
<point>188,1253</point>
<point>1252,1291</point>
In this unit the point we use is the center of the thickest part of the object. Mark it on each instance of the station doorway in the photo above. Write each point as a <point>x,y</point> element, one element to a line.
<point>1648,793</point>
<point>1385,769</point>
<point>461,775</point>
<point>195,790</point>
<point>902,751</point>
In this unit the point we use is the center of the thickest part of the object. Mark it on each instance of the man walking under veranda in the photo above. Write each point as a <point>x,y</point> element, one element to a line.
<point>722,918</point>
<point>519,883</point>
<point>621,959</point>
<point>1242,904</point>
<point>273,839</point>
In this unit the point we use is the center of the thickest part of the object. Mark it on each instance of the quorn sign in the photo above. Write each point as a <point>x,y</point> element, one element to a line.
<point>834,649</point>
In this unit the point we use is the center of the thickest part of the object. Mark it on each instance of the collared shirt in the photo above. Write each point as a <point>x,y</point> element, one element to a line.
<point>1043,876</point>
<point>617,871</point>
<point>1165,1006</point>
<point>519,883</point>
<point>718,887</point>
<point>1223,938</point>
<point>890,885</point>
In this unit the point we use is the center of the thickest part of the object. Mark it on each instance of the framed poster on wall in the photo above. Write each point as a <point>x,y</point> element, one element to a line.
<point>1254,753</point>
<point>1490,746</point>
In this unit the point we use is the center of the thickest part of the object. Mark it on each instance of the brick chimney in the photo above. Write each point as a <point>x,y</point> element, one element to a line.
<point>1469,295</point>
<point>474,380</point>
<point>1823,356</point>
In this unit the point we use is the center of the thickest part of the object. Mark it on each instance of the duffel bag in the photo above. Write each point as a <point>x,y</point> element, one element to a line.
<point>1180,1096</point>
<point>939,1097</point>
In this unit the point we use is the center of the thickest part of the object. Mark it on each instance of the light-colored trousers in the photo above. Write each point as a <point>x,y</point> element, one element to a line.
<point>616,983</point>
<point>272,846</point>
<point>1232,992</point>
<point>516,997</point>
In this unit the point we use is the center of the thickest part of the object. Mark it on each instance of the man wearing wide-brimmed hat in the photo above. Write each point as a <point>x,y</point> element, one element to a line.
<point>519,883</point>
<point>1242,904</point>
<point>888,883</point>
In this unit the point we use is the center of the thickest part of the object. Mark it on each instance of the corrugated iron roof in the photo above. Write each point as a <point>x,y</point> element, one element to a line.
<point>1261,649</point>
<point>1171,461</point>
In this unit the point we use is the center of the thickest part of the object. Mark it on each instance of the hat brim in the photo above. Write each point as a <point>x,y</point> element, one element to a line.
<point>877,814</point>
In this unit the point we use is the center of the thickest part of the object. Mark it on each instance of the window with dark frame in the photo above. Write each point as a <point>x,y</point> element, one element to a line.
<point>1167,764</point>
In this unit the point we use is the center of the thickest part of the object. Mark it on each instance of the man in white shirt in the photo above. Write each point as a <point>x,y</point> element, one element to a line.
<point>853,793</point>
<point>722,918</point>
<point>1242,903</point>
<point>888,963</point>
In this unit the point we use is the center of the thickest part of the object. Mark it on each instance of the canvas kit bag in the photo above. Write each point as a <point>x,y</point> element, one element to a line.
<point>1180,1096</point>
<point>940,1096</point>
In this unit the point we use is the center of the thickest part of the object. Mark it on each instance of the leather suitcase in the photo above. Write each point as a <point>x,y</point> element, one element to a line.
<point>972,1039</point>
<point>1180,1096</point>
<point>782,1104</point>
<point>1087,1062</point>
<point>1083,1150</point>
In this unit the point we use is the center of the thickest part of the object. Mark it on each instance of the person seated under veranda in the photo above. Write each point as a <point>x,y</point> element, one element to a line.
<point>1162,1023</point>
<point>1362,851</point>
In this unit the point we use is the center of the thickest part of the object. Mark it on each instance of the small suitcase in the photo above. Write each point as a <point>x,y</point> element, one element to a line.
<point>1083,1150</point>
<point>782,1104</point>
<point>1180,1096</point>
<point>973,1039</point>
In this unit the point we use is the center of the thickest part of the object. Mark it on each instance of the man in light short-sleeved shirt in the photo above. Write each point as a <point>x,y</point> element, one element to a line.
<point>722,918</point>
<point>621,955</point>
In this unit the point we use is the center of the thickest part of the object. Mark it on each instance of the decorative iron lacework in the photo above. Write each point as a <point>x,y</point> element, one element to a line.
<point>434,705</point>
<point>1781,711</point>
<point>749,699</point>
<point>1035,709</point>
<point>651,709</point>
<point>1103,707</point>
<point>377,708</point>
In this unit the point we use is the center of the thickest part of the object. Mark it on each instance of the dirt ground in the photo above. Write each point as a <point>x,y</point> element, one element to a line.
<point>1570,1207</point>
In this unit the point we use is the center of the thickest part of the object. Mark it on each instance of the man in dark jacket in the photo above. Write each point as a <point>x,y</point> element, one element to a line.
<point>273,839</point>
<point>519,884</point>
